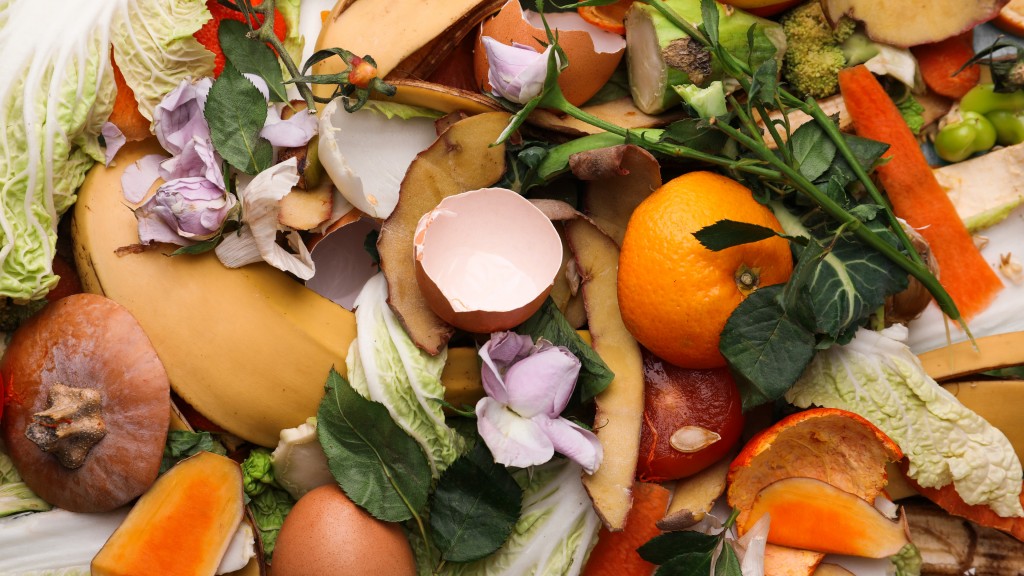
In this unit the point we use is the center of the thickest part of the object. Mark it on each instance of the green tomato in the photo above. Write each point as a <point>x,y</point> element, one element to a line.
<point>1009,126</point>
<point>957,141</point>
<point>984,99</point>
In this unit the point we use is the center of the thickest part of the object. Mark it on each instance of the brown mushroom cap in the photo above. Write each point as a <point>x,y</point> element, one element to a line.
<point>88,341</point>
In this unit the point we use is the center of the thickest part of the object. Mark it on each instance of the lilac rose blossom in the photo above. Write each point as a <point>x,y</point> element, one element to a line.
<point>515,72</point>
<point>528,385</point>
<point>179,116</point>
<point>184,211</point>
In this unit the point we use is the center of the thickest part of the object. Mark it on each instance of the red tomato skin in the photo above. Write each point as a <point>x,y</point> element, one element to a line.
<point>676,397</point>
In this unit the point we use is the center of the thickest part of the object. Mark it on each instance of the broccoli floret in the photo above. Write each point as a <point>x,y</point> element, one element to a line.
<point>912,111</point>
<point>814,54</point>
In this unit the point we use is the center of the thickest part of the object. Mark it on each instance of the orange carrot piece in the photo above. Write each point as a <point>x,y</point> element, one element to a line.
<point>915,194</point>
<point>126,115</point>
<point>940,61</point>
<point>615,552</point>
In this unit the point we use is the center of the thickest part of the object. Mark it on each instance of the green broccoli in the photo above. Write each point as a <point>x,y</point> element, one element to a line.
<point>814,54</point>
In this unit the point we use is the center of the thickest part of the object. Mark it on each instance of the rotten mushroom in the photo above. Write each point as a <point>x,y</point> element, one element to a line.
<point>90,404</point>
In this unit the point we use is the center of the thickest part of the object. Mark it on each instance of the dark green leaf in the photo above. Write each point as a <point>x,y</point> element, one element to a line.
<point>767,350</point>
<point>250,56</point>
<point>696,133</point>
<point>549,323</point>
<point>709,19</point>
<point>867,152</point>
<point>728,564</point>
<point>378,465</point>
<point>664,547</point>
<point>852,280</point>
<point>370,245</point>
<point>813,150</point>
<point>765,81</point>
<point>181,444</point>
<point>865,212</point>
<point>198,247</point>
<point>236,112</point>
<point>475,506</point>
<point>728,233</point>
<point>692,564</point>
<point>522,162</point>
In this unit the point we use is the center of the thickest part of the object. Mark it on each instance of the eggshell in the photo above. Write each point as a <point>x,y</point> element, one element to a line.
<point>486,259</point>
<point>593,54</point>
<point>325,533</point>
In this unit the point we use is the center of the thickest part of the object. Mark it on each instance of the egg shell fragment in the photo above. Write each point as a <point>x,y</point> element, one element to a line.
<point>486,259</point>
<point>593,54</point>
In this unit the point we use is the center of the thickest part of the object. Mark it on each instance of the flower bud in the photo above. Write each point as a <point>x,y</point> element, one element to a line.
<point>515,72</point>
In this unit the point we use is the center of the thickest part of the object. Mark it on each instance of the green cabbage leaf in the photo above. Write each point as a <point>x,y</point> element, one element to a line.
<point>384,365</point>
<point>877,376</point>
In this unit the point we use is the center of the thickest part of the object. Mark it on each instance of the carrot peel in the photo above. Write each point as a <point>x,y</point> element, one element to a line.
<point>916,196</point>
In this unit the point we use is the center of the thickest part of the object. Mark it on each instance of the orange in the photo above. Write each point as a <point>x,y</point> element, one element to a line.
<point>1011,18</point>
<point>609,17</point>
<point>674,294</point>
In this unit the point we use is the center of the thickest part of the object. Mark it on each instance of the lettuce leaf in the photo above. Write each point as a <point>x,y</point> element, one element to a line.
<point>877,376</point>
<point>384,365</point>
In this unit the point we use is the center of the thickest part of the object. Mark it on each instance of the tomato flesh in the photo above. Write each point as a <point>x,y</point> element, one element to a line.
<point>675,397</point>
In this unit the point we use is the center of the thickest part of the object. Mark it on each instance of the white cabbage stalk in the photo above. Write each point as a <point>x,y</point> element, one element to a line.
<point>57,91</point>
<point>385,366</point>
<point>877,376</point>
<point>299,462</point>
<point>54,542</point>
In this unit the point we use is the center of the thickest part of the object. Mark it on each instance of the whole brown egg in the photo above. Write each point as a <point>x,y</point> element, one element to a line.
<point>327,534</point>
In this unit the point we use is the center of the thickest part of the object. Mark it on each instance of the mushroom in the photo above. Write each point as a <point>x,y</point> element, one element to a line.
<point>89,404</point>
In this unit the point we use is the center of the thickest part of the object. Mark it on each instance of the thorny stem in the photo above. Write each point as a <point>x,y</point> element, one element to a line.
<point>265,33</point>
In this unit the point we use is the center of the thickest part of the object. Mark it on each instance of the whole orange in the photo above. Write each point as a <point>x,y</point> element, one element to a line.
<point>676,295</point>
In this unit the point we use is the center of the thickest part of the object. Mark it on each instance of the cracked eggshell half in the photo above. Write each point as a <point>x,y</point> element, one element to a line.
<point>366,154</point>
<point>593,53</point>
<point>486,259</point>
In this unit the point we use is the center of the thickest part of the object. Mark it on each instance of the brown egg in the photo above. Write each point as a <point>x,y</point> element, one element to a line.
<point>325,533</point>
<point>593,53</point>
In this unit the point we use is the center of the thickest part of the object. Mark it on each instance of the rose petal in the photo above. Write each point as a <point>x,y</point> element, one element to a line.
<point>197,158</point>
<point>507,348</point>
<point>179,116</point>
<point>576,443</point>
<point>512,439</point>
<point>139,177</point>
<point>293,132</point>
<point>543,382</point>
<point>113,138</point>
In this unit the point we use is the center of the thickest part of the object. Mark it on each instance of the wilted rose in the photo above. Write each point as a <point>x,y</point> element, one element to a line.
<point>515,72</point>
<point>184,211</point>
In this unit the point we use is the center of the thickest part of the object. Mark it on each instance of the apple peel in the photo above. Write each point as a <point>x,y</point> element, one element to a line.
<point>909,23</point>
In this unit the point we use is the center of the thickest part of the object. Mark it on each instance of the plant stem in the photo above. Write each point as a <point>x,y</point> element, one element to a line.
<point>265,33</point>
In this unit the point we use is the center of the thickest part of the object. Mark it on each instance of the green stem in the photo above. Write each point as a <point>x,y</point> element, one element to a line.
<point>794,178</point>
<point>265,33</point>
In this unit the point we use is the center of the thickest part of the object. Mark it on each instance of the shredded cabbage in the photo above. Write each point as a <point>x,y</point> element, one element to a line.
<point>877,376</point>
<point>384,365</point>
<point>57,92</point>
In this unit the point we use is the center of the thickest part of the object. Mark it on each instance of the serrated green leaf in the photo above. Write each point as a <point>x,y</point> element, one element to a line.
<point>765,347</point>
<point>549,323</point>
<point>867,152</point>
<point>250,56</point>
<point>664,547</point>
<point>378,465</point>
<point>475,506</point>
<point>691,564</point>
<point>236,112</point>
<point>728,564</point>
<point>709,20</point>
<point>697,133</point>
<point>728,233</point>
<point>813,150</point>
